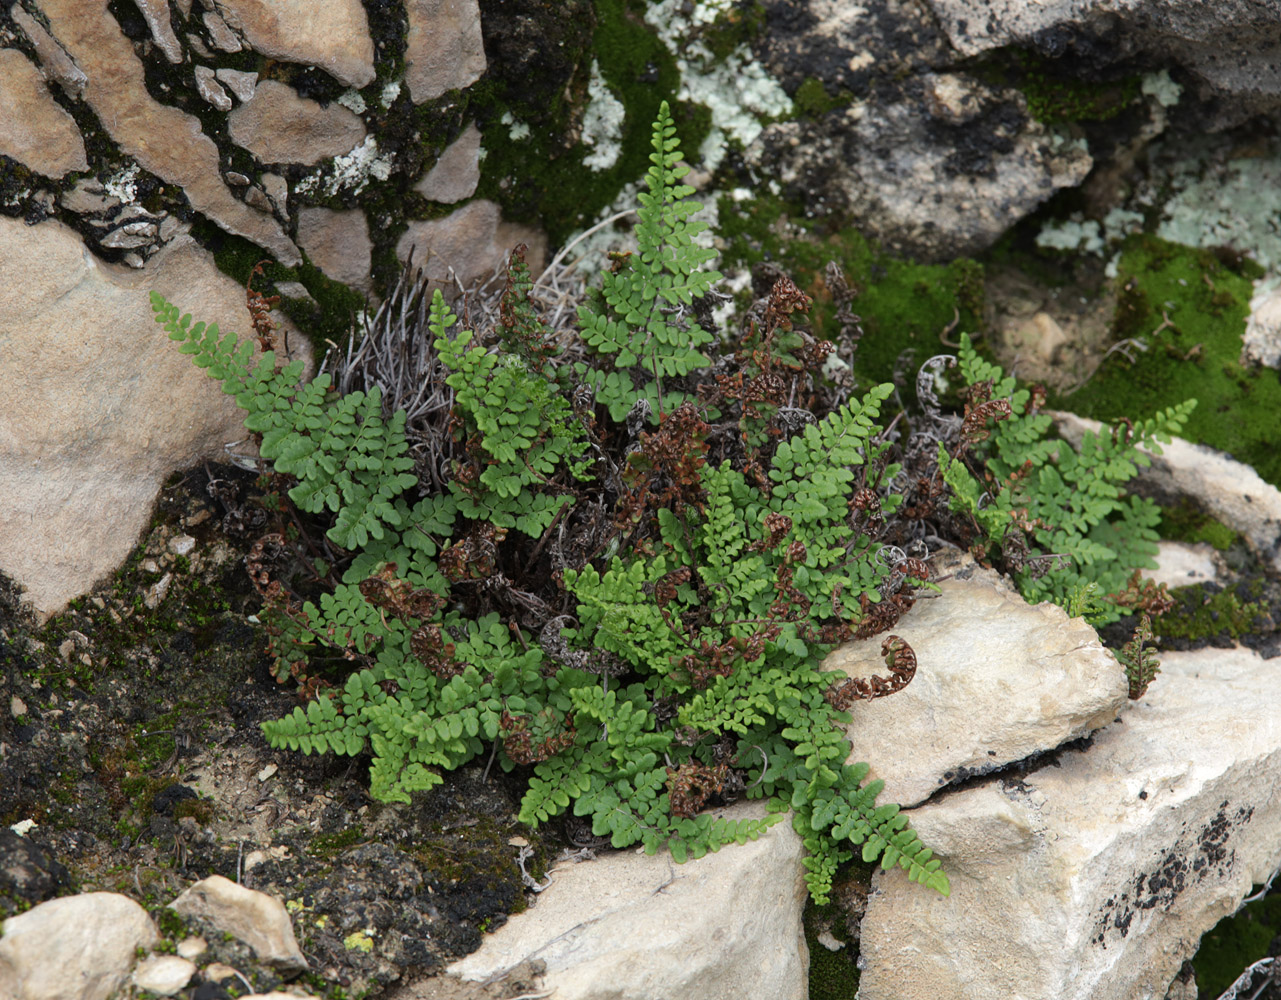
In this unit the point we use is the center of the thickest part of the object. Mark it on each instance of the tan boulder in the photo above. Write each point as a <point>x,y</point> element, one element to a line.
<point>34,129</point>
<point>333,35</point>
<point>278,126</point>
<point>338,243</point>
<point>444,49</point>
<point>472,241</point>
<point>100,407</point>
<point>456,173</point>
<point>257,919</point>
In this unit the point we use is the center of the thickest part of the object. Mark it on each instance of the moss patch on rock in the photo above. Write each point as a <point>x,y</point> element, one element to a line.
<point>904,306</point>
<point>1189,307</point>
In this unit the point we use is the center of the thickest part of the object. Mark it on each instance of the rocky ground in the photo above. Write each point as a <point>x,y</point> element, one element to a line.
<point>130,738</point>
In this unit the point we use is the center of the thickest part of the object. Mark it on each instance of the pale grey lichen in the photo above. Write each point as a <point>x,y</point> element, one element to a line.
<point>737,90</point>
<point>1160,86</point>
<point>350,172</point>
<point>602,123</point>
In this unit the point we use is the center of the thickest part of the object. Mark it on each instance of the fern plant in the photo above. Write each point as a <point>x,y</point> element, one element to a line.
<point>691,670</point>
<point>636,324</point>
<point>1057,515</point>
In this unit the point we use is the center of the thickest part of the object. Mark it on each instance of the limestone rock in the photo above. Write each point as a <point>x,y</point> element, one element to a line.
<point>338,243</point>
<point>34,130</point>
<point>997,681</point>
<point>1179,564</point>
<point>242,84</point>
<point>254,917</point>
<point>278,126</point>
<point>74,948</point>
<point>210,89</point>
<point>444,49</point>
<point>80,467</point>
<point>162,139</point>
<point>909,177</point>
<point>163,974</point>
<point>220,33</point>
<point>333,35</point>
<point>1095,877</point>
<point>474,241</point>
<point>1263,327</point>
<point>1228,490</point>
<point>456,173</point>
<point>726,925</point>
<point>53,57</point>
<point>156,14</point>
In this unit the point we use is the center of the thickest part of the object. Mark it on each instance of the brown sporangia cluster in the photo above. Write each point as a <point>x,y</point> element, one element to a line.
<point>690,785</point>
<point>518,739</point>
<point>979,407</point>
<point>475,555</point>
<point>1144,595</point>
<point>901,661</point>
<point>399,598</point>
<point>265,328</point>
<point>663,473</point>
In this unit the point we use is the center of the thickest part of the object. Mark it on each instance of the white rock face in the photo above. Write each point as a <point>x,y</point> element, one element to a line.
<point>1095,877</point>
<point>1229,490</point>
<point>80,466</point>
<point>163,974</point>
<point>997,681</point>
<point>1263,327</point>
<point>34,129</point>
<point>254,917</point>
<point>74,948</point>
<point>726,925</point>
<point>1179,564</point>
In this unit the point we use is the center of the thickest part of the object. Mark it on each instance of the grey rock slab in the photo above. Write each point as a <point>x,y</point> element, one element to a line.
<point>456,173</point>
<point>1179,564</point>
<point>100,408</point>
<point>156,14</point>
<point>899,167</point>
<point>338,243</point>
<point>210,89</point>
<point>74,948</point>
<point>1227,489</point>
<point>34,129</point>
<point>472,241</point>
<point>53,57</point>
<point>1262,339</point>
<point>87,197</point>
<point>1095,877</point>
<point>220,33</point>
<point>257,919</point>
<point>1232,45</point>
<point>997,680</point>
<point>278,126</point>
<point>164,140</point>
<point>444,49</point>
<point>631,926</point>
<point>333,35</point>
<point>241,83</point>
<point>163,974</point>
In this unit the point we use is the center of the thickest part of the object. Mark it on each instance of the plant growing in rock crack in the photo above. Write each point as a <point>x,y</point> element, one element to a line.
<point>1054,516</point>
<point>636,616</point>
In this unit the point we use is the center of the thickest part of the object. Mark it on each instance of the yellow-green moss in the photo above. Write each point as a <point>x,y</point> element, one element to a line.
<point>1195,355</point>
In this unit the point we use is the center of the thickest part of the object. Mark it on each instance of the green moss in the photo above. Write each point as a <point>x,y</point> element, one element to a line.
<point>1202,612</point>
<point>1235,943</point>
<point>330,845</point>
<point>736,26</point>
<point>1185,522</point>
<point>1193,356</point>
<point>812,100</point>
<point>541,179</point>
<point>1056,93</point>
<point>904,306</point>
<point>833,974</point>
